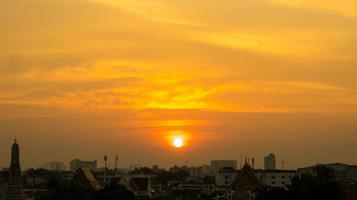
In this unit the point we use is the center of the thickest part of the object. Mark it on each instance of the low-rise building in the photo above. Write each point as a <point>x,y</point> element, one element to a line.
<point>275,178</point>
<point>206,170</point>
<point>225,177</point>
<point>195,186</point>
<point>195,171</point>
<point>342,172</point>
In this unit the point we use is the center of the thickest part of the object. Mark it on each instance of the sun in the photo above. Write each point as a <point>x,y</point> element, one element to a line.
<point>178,139</point>
<point>178,142</point>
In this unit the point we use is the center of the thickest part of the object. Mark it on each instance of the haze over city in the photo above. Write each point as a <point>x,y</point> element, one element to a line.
<point>169,82</point>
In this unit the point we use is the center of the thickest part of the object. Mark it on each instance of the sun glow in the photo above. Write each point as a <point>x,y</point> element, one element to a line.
<point>177,139</point>
<point>178,142</point>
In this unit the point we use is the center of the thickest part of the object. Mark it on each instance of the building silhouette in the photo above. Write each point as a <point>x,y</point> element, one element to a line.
<point>14,190</point>
<point>217,165</point>
<point>246,184</point>
<point>76,164</point>
<point>270,162</point>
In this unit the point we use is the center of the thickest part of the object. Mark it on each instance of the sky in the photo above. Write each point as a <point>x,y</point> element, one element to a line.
<point>235,78</point>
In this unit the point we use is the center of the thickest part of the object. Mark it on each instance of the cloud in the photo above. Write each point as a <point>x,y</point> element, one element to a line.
<point>150,10</point>
<point>345,8</point>
<point>238,55</point>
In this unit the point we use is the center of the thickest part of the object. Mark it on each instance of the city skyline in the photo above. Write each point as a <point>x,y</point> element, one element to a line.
<point>165,82</point>
<point>113,162</point>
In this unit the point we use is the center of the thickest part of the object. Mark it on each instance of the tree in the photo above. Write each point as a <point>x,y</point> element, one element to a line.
<point>185,195</point>
<point>182,175</point>
<point>322,186</point>
<point>209,180</point>
<point>269,193</point>
<point>68,191</point>
<point>164,177</point>
<point>143,170</point>
<point>114,192</point>
<point>52,184</point>
<point>73,191</point>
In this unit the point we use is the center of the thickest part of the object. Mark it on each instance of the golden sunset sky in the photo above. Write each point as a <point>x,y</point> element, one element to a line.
<point>84,78</point>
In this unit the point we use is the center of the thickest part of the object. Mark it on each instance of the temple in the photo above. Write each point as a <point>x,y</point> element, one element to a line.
<point>14,190</point>
<point>246,184</point>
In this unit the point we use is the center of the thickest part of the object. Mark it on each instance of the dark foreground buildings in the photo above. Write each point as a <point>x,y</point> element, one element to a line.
<point>224,182</point>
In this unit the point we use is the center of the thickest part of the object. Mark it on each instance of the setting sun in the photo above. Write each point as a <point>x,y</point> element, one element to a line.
<point>178,142</point>
<point>177,139</point>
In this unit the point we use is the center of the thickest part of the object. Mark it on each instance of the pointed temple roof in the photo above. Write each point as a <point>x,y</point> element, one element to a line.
<point>14,190</point>
<point>246,179</point>
<point>87,180</point>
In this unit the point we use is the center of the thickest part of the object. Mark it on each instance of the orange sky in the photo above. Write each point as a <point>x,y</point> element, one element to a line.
<point>256,75</point>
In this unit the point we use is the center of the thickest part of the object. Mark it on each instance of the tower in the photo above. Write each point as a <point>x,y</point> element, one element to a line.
<point>14,190</point>
<point>116,162</point>
<point>105,169</point>
<point>15,169</point>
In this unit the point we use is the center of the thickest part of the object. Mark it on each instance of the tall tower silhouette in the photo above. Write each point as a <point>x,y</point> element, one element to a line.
<point>15,169</point>
<point>14,189</point>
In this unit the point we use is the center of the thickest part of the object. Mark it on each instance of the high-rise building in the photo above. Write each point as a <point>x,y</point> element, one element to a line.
<point>217,165</point>
<point>14,190</point>
<point>54,166</point>
<point>77,163</point>
<point>270,162</point>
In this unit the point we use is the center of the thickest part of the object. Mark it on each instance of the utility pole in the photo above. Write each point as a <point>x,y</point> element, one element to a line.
<point>116,162</point>
<point>105,169</point>
<point>282,164</point>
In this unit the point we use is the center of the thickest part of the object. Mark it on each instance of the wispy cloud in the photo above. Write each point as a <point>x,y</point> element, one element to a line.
<point>151,10</point>
<point>347,8</point>
<point>107,55</point>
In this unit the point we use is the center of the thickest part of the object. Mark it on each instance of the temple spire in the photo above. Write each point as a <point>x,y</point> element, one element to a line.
<point>14,188</point>
<point>15,170</point>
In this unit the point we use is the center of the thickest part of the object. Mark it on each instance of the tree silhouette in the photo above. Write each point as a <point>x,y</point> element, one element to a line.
<point>322,186</point>
<point>73,191</point>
